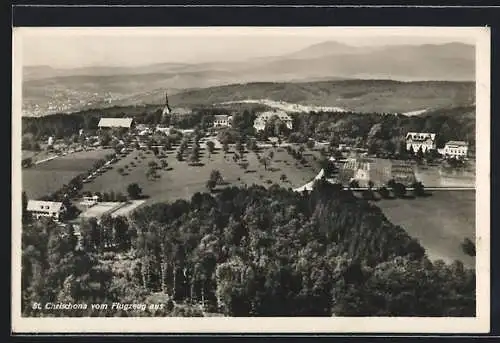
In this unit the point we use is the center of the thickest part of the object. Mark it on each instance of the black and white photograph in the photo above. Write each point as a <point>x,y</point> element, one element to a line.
<point>298,179</point>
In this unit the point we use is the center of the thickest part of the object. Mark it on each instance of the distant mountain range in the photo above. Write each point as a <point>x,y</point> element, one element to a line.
<point>46,89</point>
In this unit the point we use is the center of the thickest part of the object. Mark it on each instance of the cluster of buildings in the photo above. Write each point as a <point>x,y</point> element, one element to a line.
<point>222,121</point>
<point>427,141</point>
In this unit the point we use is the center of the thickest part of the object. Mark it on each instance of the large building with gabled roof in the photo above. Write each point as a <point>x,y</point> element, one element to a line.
<point>48,209</point>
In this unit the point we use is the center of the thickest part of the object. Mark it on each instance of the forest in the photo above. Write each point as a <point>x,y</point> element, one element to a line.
<point>243,252</point>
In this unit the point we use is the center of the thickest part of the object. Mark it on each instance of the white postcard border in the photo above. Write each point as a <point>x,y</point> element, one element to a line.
<point>479,324</point>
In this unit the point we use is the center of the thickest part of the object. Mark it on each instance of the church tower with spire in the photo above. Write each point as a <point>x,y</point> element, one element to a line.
<point>166,109</point>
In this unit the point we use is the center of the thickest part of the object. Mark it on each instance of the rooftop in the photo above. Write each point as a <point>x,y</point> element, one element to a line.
<point>101,209</point>
<point>221,117</point>
<point>420,135</point>
<point>264,116</point>
<point>48,206</point>
<point>116,122</point>
<point>457,143</point>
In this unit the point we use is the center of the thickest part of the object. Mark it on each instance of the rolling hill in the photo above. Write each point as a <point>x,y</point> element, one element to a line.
<point>352,95</point>
<point>48,90</point>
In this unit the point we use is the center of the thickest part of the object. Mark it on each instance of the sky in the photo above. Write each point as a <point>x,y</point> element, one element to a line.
<point>78,47</point>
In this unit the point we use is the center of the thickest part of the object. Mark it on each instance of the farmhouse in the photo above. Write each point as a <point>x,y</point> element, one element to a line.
<point>222,120</point>
<point>126,123</point>
<point>417,140</point>
<point>263,118</point>
<point>48,209</point>
<point>455,149</point>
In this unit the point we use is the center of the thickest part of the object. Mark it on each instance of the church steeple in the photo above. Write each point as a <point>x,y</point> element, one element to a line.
<point>166,109</point>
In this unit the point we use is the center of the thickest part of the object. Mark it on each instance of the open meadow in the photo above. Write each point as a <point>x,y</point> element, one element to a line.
<point>440,222</point>
<point>181,180</point>
<point>47,177</point>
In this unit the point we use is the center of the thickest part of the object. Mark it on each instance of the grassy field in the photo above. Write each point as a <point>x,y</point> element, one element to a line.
<point>45,178</point>
<point>440,222</point>
<point>181,181</point>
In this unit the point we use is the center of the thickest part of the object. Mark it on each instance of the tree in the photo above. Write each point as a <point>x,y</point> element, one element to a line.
<point>134,191</point>
<point>151,174</point>
<point>354,183</point>
<point>420,154</point>
<point>27,162</point>
<point>418,188</point>
<point>244,165</point>
<point>283,178</point>
<point>210,147</point>
<point>252,145</point>
<point>384,192</point>
<point>225,147</point>
<point>370,184</point>
<point>194,158</point>
<point>120,170</point>
<point>469,247</point>
<point>104,138</point>
<point>310,144</point>
<point>211,184</point>
<point>239,147</point>
<point>179,156</point>
<point>164,164</point>
<point>153,164</point>
<point>216,176</point>
<point>264,161</point>
<point>24,206</point>
<point>399,189</point>
<point>271,155</point>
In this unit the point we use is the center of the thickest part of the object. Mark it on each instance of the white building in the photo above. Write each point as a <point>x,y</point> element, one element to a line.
<point>48,209</point>
<point>116,123</point>
<point>417,140</point>
<point>260,122</point>
<point>222,120</point>
<point>163,129</point>
<point>455,149</point>
<point>89,201</point>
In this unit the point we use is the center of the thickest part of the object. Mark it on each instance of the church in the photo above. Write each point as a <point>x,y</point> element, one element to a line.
<point>166,109</point>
